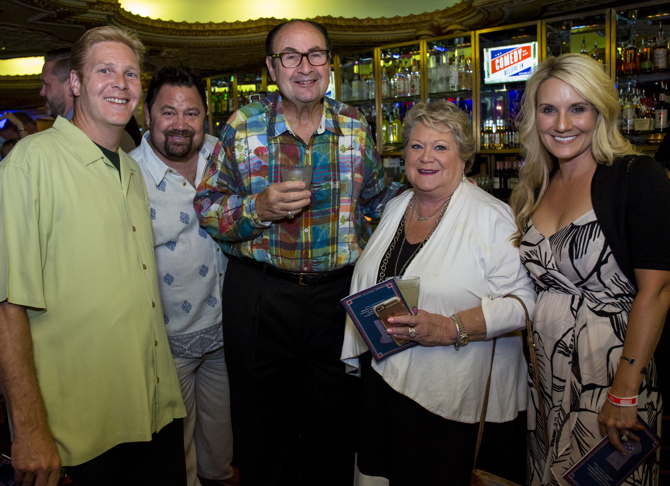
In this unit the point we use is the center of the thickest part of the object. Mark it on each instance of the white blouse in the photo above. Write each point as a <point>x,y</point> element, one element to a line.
<point>469,261</point>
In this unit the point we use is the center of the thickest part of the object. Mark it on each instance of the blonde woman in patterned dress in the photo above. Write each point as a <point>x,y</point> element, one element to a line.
<point>589,218</point>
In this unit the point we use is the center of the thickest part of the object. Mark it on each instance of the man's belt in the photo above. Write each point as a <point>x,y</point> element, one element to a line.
<point>304,279</point>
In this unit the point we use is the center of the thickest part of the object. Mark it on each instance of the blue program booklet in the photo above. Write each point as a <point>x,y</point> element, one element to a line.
<point>369,310</point>
<point>605,466</point>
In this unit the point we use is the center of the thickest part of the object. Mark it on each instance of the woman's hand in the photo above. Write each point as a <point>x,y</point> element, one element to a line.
<point>425,328</point>
<point>618,423</point>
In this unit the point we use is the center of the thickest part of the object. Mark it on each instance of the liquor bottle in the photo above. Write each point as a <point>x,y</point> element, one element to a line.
<point>645,55</point>
<point>497,177</point>
<point>386,129</point>
<point>583,49</point>
<point>433,60</point>
<point>396,126</point>
<point>356,84</point>
<point>630,54</point>
<point>661,113</point>
<point>453,72</point>
<point>443,73</point>
<point>386,85</point>
<point>627,113</point>
<point>370,84</point>
<point>462,82</point>
<point>513,179</point>
<point>660,50</point>
<point>620,59</point>
<point>415,77</point>
<point>595,53</point>
<point>486,136</point>
<point>468,73</point>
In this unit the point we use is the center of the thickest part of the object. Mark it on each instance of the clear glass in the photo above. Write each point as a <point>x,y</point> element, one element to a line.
<point>297,173</point>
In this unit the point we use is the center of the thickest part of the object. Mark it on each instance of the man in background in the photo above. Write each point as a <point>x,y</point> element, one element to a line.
<point>172,157</point>
<point>56,89</point>
<point>85,364</point>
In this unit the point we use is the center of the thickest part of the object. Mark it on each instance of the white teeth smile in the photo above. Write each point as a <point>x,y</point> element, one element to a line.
<point>118,101</point>
<point>564,139</point>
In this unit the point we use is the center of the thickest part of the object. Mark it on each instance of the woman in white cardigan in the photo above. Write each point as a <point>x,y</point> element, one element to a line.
<point>420,408</point>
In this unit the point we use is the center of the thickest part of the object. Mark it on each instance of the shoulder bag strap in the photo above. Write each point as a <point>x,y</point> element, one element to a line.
<point>533,372</point>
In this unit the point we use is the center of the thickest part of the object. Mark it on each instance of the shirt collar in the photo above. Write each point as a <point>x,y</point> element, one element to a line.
<point>87,151</point>
<point>279,125</point>
<point>155,166</point>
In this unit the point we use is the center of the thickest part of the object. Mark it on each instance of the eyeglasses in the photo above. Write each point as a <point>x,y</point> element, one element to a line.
<point>293,59</point>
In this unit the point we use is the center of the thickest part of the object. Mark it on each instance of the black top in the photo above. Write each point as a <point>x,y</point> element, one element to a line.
<point>401,255</point>
<point>113,157</point>
<point>631,199</point>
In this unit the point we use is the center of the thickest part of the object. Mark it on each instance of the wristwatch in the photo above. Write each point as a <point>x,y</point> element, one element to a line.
<point>462,336</point>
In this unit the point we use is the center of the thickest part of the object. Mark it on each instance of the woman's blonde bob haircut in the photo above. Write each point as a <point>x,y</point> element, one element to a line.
<point>106,33</point>
<point>589,79</point>
<point>442,116</point>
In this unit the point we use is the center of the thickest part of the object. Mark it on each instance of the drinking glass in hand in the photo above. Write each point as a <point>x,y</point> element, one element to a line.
<point>303,173</point>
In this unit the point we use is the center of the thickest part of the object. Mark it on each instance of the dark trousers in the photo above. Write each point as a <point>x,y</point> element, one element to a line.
<point>159,462</point>
<point>291,399</point>
<point>411,446</point>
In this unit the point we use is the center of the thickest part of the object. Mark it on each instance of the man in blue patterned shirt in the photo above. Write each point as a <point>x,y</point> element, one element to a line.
<point>292,248</point>
<point>172,157</point>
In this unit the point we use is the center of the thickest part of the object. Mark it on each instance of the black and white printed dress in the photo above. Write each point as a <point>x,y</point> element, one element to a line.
<point>580,321</point>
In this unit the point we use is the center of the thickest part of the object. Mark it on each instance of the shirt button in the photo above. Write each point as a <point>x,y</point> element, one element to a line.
<point>156,343</point>
<point>144,266</point>
<point>153,304</point>
<point>183,184</point>
<point>306,230</point>
<point>158,380</point>
<point>134,229</point>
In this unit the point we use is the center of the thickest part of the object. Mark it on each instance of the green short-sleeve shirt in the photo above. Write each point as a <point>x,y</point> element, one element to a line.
<point>76,248</point>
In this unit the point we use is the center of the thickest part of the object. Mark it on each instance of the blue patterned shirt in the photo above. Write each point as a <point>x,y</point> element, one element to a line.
<point>190,263</point>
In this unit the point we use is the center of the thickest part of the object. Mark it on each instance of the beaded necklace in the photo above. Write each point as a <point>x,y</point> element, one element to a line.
<point>383,266</point>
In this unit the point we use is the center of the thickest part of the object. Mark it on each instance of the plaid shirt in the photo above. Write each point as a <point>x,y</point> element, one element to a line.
<point>347,184</point>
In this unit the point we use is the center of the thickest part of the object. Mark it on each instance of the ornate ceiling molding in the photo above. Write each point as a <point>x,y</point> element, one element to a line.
<point>32,27</point>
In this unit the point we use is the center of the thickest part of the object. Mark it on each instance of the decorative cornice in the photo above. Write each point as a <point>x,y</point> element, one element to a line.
<point>32,27</point>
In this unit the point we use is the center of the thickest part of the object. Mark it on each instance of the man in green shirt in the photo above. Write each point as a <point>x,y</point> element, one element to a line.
<point>84,360</point>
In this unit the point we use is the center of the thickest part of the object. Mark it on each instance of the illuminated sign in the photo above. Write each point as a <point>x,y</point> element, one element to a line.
<point>508,64</point>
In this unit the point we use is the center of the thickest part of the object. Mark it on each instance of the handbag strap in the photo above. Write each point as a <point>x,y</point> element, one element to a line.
<point>533,371</point>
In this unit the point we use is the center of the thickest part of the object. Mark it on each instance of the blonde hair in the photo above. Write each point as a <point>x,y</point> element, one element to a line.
<point>589,79</point>
<point>439,115</point>
<point>106,33</point>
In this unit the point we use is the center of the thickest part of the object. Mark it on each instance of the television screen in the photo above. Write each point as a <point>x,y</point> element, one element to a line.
<point>508,64</point>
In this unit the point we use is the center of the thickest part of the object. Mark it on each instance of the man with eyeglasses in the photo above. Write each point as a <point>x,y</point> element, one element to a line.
<point>292,247</point>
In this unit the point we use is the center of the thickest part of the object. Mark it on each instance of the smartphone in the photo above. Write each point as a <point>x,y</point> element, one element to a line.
<point>389,308</point>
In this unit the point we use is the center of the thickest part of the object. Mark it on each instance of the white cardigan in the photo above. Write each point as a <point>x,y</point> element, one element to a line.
<point>469,261</point>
